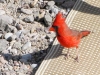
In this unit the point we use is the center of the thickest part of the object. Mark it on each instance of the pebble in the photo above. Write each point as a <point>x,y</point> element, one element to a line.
<point>26,46</point>
<point>29,19</point>
<point>2,12</point>
<point>34,65</point>
<point>26,11</point>
<point>51,3</point>
<point>48,19</point>
<point>7,19</point>
<point>8,36</point>
<point>26,57</point>
<point>3,44</point>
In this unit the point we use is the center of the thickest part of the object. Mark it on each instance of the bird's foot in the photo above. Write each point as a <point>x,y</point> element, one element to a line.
<point>66,56</point>
<point>77,59</point>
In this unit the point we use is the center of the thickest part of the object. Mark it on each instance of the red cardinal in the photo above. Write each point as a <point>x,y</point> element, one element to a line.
<point>66,36</point>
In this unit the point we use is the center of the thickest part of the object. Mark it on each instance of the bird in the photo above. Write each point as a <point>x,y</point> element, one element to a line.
<point>67,37</point>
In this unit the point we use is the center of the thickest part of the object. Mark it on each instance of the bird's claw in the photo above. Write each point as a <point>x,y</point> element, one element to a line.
<point>77,59</point>
<point>66,56</point>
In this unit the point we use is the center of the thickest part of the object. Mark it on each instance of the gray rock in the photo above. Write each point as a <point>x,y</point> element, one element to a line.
<point>29,19</point>
<point>51,3</point>
<point>48,19</point>
<point>55,10</point>
<point>68,4</point>
<point>34,65</point>
<point>19,27</point>
<point>11,29</point>
<point>2,12</point>
<point>2,1</point>
<point>3,44</point>
<point>7,19</point>
<point>23,61</point>
<point>26,46</point>
<point>7,56</point>
<point>27,57</point>
<point>26,11</point>
<point>8,36</point>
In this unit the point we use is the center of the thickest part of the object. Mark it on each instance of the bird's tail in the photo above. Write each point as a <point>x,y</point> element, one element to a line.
<point>85,33</point>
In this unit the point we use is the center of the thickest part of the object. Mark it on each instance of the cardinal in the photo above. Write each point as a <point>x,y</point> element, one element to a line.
<point>67,37</point>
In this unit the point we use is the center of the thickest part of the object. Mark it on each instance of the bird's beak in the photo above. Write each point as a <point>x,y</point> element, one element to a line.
<point>51,29</point>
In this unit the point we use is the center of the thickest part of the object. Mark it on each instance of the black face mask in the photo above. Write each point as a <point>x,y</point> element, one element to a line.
<point>56,30</point>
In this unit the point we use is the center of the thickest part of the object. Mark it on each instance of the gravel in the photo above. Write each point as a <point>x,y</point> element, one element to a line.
<point>24,36</point>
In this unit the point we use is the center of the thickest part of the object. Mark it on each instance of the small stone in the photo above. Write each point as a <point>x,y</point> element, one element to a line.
<point>8,36</point>
<point>26,46</point>
<point>23,60</point>
<point>10,28</point>
<point>48,19</point>
<point>7,56</point>
<point>3,44</point>
<point>26,11</point>
<point>2,12</point>
<point>34,65</point>
<point>19,27</point>
<point>27,57</point>
<point>51,3</point>
<point>7,19</point>
<point>68,4</point>
<point>29,19</point>
<point>2,60</point>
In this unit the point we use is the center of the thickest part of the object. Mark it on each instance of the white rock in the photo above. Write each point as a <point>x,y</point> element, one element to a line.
<point>33,65</point>
<point>2,12</point>
<point>51,3</point>
<point>26,46</point>
<point>7,35</point>
<point>6,18</point>
<point>26,11</point>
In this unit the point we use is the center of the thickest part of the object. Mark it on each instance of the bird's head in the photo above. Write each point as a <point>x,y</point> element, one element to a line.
<point>59,19</point>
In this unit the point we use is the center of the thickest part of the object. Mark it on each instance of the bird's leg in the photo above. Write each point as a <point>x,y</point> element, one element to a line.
<point>67,55</point>
<point>77,55</point>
